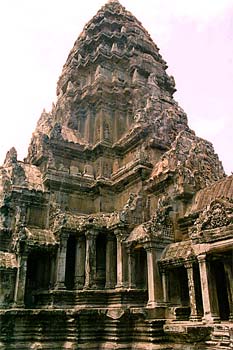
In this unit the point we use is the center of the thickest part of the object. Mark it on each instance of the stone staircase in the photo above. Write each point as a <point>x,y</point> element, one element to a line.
<point>221,337</point>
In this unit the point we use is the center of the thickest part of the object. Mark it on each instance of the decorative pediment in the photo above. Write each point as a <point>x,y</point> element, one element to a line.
<point>159,228</point>
<point>161,225</point>
<point>216,215</point>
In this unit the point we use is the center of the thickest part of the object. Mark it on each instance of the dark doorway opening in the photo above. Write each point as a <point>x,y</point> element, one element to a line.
<point>141,268</point>
<point>70,262</point>
<point>38,275</point>
<point>101,261</point>
<point>221,286</point>
<point>179,293</point>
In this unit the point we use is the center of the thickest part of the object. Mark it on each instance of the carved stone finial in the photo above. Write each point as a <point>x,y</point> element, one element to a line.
<point>11,157</point>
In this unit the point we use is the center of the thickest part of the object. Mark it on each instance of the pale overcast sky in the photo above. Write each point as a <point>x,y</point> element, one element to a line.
<point>195,38</point>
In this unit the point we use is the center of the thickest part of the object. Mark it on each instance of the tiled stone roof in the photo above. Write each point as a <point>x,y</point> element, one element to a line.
<point>178,252</point>
<point>221,189</point>
<point>40,237</point>
<point>138,234</point>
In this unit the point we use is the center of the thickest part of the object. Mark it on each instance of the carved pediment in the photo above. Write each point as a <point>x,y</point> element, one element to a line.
<point>159,228</point>
<point>216,215</point>
<point>161,225</point>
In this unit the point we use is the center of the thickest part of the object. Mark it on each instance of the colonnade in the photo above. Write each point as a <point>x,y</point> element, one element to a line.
<point>120,268</point>
<point>86,261</point>
<point>116,267</point>
<point>103,260</point>
<point>211,306</point>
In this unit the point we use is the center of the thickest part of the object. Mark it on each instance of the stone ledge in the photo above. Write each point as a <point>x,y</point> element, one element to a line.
<point>185,333</point>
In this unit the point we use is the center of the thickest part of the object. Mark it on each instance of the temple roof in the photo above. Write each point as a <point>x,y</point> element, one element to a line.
<point>113,65</point>
<point>37,236</point>
<point>138,235</point>
<point>193,161</point>
<point>177,252</point>
<point>112,24</point>
<point>222,189</point>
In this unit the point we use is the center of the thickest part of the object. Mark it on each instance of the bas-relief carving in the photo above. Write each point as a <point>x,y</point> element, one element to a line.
<point>114,139</point>
<point>216,215</point>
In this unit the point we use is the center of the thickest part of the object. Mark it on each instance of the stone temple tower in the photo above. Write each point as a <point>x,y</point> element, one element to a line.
<point>116,231</point>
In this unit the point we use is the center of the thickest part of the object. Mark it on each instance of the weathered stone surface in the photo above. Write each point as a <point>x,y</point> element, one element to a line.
<point>116,231</point>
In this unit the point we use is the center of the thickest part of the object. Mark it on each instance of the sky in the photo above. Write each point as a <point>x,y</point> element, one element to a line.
<point>195,38</point>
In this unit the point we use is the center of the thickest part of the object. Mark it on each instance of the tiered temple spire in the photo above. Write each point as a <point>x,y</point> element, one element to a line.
<point>121,217</point>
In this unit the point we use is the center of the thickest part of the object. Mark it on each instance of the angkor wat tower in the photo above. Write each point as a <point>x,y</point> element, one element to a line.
<point>116,231</point>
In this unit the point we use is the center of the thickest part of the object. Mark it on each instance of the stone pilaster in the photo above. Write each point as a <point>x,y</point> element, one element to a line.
<point>20,284</point>
<point>61,264</point>
<point>213,294</point>
<point>79,277</point>
<point>209,315</point>
<point>131,269</point>
<point>90,262</point>
<point>228,267</point>
<point>110,263</point>
<point>192,293</point>
<point>165,286</point>
<point>121,262</point>
<point>155,291</point>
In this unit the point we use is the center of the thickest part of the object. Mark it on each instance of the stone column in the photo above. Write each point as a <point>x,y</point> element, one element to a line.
<point>79,276</point>
<point>205,289</point>
<point>165,286</point>
<point>121,261</point>
<point>61,264</point>
<point>192,293</point>
<point>213,294</point>
<point>155,292</point>
<point>228,267</point>
<point>90,262</point>
<point>20,284</point>
<point>131,269</point>
<point>110,263</point>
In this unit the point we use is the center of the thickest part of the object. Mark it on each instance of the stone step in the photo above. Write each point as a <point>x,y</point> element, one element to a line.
<point>220,339</point>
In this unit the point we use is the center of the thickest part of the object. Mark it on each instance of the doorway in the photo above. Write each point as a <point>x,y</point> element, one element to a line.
<point>221,286</point>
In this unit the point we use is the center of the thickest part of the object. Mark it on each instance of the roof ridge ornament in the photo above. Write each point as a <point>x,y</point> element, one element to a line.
<point>109,1</point>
